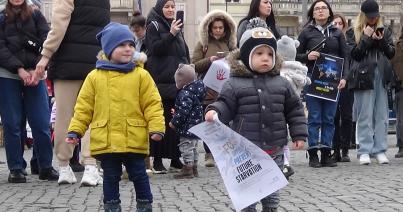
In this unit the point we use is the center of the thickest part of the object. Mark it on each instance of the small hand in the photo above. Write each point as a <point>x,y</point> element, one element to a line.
<point>342,84</point>
<point>73,141</point>
<point>175,27</point>
<point>209,117</point>
<point>34,78</point>
<point>156,137</point>
<point>214,58</point>
<point>298,144</point>
<point>313,55</point>
<point>171,125</point>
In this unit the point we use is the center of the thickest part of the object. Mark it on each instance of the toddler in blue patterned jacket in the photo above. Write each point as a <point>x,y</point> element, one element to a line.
<point>188,113</point>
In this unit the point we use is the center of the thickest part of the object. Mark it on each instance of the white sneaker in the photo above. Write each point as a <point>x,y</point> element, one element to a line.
<point>66,175</point>
<point>364,159</point>
<point>91,176</point>
<point>381,158</point>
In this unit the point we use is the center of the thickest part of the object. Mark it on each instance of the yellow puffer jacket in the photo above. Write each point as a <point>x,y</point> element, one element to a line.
<point>121,109</point>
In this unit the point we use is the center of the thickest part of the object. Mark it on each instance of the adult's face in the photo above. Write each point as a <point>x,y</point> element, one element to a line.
<point>218,29</point>
<point>264,8</point>
<point>16,3</point>
<point>372,21</point>
<point>338,23</point>
<point>169,10</point>
<point>320,12</point>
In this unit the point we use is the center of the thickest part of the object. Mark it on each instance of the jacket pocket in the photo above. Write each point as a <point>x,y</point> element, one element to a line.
<point>99,135</point>
<point>137,134</point>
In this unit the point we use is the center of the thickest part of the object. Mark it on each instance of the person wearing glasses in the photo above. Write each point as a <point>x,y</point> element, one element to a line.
<point>321,112</point>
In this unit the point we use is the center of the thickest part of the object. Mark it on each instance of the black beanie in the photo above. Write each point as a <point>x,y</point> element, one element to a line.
<point>370,8</point>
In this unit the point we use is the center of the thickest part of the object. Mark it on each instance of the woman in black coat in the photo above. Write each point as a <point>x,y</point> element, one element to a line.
<point>22,94</point>
<point>166,49</point>
<point>321,112</point>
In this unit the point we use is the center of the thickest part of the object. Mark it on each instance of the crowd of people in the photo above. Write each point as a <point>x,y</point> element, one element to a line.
<point>127,94</point>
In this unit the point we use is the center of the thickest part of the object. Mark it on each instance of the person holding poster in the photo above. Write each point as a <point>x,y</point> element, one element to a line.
<point>217,32</point>
<point>319,37</point>
<point>371,71</point>
<point>260,103</point>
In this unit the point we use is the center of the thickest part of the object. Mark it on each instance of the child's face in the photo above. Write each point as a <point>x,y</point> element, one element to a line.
<point>123,53</point>
<point>262,59</point>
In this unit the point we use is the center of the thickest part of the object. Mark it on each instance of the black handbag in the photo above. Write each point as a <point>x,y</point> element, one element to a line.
<point>362,74</point>
<point>30,41</point>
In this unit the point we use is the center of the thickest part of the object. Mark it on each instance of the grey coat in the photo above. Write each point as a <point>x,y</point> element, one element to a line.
<point>260,106</point>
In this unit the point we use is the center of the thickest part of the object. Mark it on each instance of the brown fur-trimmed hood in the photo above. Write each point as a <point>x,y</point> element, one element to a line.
<point>239,69</point>
<point>209,18</point>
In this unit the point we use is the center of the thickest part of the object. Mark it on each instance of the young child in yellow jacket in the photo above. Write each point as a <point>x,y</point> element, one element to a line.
<point>122,106</point>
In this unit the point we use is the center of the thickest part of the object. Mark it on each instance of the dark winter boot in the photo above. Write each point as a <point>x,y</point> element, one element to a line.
<point>313,158</point>
<point>185,173</point>
<point>325,158</point>
<point>344,156</point>
<point>336,155</point>
<point>112,207</point>
<point>399,154</point>
<point>144,206</point>
<point>195,172</point>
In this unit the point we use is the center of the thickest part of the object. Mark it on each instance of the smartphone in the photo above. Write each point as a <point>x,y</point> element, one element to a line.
<point>179,15</point>
<point>379,30</point>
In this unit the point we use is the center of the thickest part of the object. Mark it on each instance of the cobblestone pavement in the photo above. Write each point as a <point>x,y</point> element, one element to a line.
<point>348,187</point>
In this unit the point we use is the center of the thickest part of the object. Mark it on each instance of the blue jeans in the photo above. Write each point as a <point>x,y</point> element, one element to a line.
<point>321,114</point>
<point>372,118</point>
<point>136,169</point>
<point>14,97</point>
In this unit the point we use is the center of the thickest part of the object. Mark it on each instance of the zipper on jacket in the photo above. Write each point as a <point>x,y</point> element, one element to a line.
<point>240,125</point>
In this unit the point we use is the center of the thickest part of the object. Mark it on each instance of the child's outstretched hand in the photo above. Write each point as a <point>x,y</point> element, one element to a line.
<point>298,144</point>
<point>72,140</point>
<point>209,117</point>
<point>156,137</point>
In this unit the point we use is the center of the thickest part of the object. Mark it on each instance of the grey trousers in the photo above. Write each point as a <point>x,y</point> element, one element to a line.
<point>273,200</point>
<point>188,149</point>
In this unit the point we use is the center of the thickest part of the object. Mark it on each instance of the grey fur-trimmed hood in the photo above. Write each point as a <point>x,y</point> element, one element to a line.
<point>208,18</point>
<point>239,69</point>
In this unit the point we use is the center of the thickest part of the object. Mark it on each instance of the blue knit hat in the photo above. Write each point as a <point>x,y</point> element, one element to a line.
<point>112,35</point>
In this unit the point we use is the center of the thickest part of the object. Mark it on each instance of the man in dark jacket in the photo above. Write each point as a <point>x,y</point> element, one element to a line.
<point>72,48</point>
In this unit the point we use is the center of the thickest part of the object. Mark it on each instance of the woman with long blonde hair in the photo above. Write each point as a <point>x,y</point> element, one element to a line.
<point>370,72</point>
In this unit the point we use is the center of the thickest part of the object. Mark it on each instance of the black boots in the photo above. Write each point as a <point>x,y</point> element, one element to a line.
<point>313,158</point>
<point>399,154</point>
<point>16,176</point>
<point>325,158</point>
<point>344,156</point>
<point>144,206</point>
<point>112,207</point>
<point>49,174</point>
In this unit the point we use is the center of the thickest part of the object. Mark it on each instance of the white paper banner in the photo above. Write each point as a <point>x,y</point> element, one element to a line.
<point>217,75</point>
<point>249,173</point>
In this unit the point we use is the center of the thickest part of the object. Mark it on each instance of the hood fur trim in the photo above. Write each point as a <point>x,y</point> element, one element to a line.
<point>203,27</point>
<point>239,69</point>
